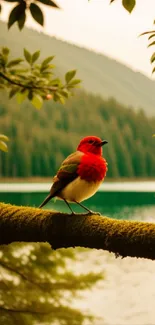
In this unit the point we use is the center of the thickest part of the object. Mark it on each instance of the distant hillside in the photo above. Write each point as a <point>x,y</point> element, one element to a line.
<point>100,74</point>
<point>39,141</point>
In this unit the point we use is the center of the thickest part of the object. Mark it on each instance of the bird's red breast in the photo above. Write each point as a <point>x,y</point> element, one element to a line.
<point>92,168</point>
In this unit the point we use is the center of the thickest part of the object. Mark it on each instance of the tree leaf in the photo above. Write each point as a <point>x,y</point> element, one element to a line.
<point>13,91</point>
<point>16,13</point>
<point>46,74</point>
<point>149,32</point>
<point>37,13</point>
<point>70,75</point>
<point>19,72</point>
<point>28,56</point>
<point>55,82</point>
<point>3,146</point>
<point>128,5</point>
<point>49,3</point>
<point>21,20</point>
<point>152,58</point>
<point>153,70</point>
<point>58,97</point>
<point>153,43</point>
<point>47,60</point>
<point>30,94</point>
<point>4,138</point>
<point>151,36</point>
<point>21,96</point>
<point>37,101</point>
<point>35,56</point>
<point>5,51</point>
<point>75,82</point>
<point>14,62</point>
<point>62,100</point>
<point>65,93</point>
<point>46,67</point>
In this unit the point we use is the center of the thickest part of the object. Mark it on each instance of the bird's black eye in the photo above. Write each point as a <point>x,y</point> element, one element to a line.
<point>91,141</point>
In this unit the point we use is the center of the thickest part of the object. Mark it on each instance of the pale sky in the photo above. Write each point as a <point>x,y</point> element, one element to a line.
<point>105,28</point>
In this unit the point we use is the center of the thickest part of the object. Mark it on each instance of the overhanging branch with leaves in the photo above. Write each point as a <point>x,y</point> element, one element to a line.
<point>122,237</point>
<point>22,7</point>
<point>35,81</point>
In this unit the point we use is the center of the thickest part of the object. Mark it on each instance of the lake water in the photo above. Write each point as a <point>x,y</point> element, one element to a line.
<point>127,294</point>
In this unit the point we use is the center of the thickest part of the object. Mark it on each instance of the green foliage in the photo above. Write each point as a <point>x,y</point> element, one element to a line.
<point>34,81</point>
<point>28,56</point>
<point>37,13</point>
<point>38,288</point>
<point>26,79</point>
<point>41,140</point>
<point>18,13</point>
<point>37,101</point>
<point>127,4</point>
<point>151,36</point>
<point>70,75</point>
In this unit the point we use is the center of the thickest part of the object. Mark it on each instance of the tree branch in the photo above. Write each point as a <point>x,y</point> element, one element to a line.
<point>122,237</point>
<point>24,310</point>
<point>18,83</point>
<point>17,272</point>
<point>74,282</point>
<point>60,312</point>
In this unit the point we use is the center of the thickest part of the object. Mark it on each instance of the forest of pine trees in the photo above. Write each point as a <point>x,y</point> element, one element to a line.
<point>40,140</point>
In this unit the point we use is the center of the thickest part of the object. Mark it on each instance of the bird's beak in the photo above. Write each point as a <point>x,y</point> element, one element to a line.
<point>102,143</point>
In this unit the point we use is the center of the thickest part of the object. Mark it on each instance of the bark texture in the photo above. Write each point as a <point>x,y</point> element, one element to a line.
<point>124,238</point>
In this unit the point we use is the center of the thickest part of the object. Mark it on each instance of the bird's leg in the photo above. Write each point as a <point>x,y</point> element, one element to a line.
<point>89,211</point>
<point>69,206</point>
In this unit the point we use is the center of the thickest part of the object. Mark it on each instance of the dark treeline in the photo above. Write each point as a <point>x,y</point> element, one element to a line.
<point>40,140</point>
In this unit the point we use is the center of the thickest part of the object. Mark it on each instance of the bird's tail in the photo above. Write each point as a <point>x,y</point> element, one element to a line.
<point>49,197</point>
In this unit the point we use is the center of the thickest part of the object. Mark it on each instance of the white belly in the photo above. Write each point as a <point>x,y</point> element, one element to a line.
<point>79,190</point>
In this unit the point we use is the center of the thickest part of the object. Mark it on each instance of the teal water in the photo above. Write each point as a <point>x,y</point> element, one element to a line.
<point>115,204</point>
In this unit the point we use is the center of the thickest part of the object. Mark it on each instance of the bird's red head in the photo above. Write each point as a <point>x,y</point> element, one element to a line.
<point>91,144</point>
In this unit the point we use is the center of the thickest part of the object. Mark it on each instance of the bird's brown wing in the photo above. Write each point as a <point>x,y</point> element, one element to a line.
<point>66,173</point>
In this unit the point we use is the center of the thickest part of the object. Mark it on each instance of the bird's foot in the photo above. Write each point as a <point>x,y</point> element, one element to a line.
<point>73,213</point>
<point>79,214</point>
<point>90,212</point>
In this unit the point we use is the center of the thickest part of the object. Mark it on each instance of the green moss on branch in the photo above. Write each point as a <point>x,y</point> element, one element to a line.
<point>126,238</point>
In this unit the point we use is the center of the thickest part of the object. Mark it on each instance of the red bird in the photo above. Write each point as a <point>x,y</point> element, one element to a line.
<point>80,174</point>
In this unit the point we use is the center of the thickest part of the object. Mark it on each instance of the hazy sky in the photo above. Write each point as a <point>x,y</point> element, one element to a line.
<point>109,29</point>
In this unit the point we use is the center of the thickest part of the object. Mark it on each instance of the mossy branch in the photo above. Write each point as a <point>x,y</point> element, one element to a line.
<point>124,238</point>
